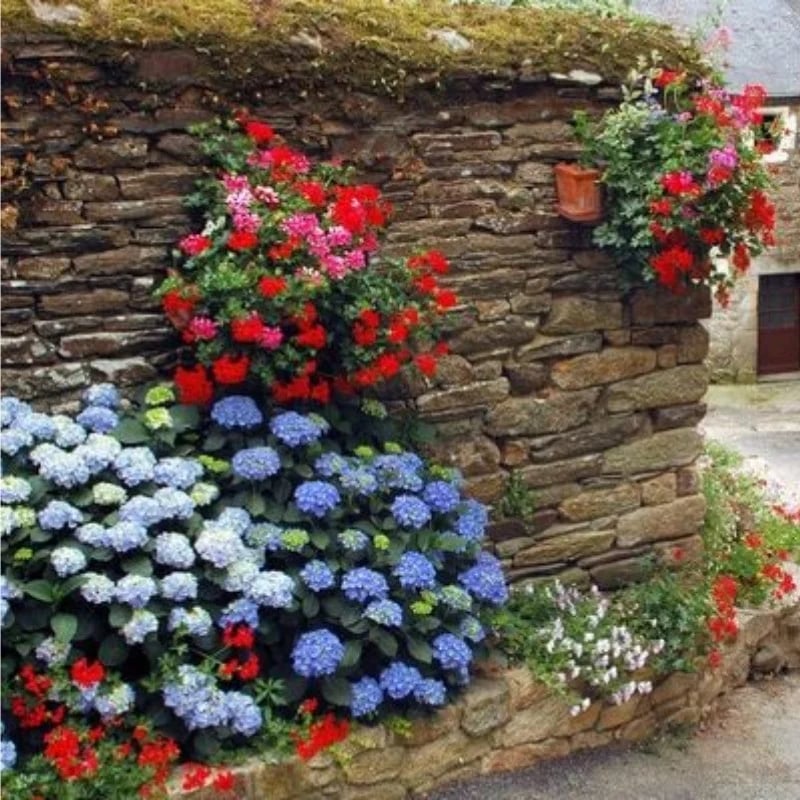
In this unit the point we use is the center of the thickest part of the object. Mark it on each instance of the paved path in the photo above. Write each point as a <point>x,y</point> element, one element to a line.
<point>762,422</point>
<point>749,751</point>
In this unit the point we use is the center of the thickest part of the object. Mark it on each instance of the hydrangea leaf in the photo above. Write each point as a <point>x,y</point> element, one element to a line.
<point>64,626</point>
<point>113,651</point>
<point>419,649</point>
<point>336,691</point>
<point>40,590</point>
<point>131,431</point>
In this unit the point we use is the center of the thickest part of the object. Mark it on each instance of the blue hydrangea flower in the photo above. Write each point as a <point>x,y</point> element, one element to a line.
<point>8,591</point>
<point>363,584</point>
<point>385,612</point>
<point>196,621</point>
<point>64,469</point>
<point>414,571</point>
<point>485,580</point>
<point>221,546</point>
<point>239,576</point>
<point>93,534</point>
<point>195,698</point>
<point>241,610</point>
<point>353,540</point>
<point>98,419</point>
<point>471,629</point>
<point>8,752</point>
<point>317,653</point>
<point>174,550</point>
<point>9,521</point>
<point>441,496</point>
<point>174,503</point>
<point>237,519</point>
<point>13,441</point>
<point>14,489</point>
<point>244,716</point>
<point>99,452</point>
<point>98,589</point>
<point>179,586</point>
<point>398,471</point>
<point>399,680</point>
<point>135,465</point>
<point>359,481</point>
<point>179,473</point>
<point>410,512</point>
<point>472,522</point>
<point>451,652</point>
<point>264,535</point>
<point>272,589</point>
<point>294,429</point>
<point>139,626</point>
<point>118,701</point>
<point>318,576</point>
<point>10,409</point>
<point>52,652</point>
<point>144,511</point>
<point>135,590</point>
<point>101,394</point>
<point>316,498</point>
<point>236,411</point>
<point>67,561</point>
<point>366,696</point>
<point>328,465</point>
<point>68,433</point>
<point>38,425</point>
<point>126,536</point>
<point>456,598</point>
<point>430,692</point>
<point>256,463</point>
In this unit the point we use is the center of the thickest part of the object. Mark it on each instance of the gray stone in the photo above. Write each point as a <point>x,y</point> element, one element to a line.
<point>550,346</point>
<point>681,517</point>
<point>486,706</point>
<point>526,378</point>
<point>658,306</point>
<point>666,387</point>
<point>576,314</point>
<point>609,365</point>
<point>687,416</point>
<point>565,548</point>
<point>526,416</point>
<point>131,260</point>
<point>657,452</point>
<point>558,472</point>
<point>507,333</point>
<point>126,151</point>
<point>593,438</point>
<point>594,503</point>
<point>479,394</point>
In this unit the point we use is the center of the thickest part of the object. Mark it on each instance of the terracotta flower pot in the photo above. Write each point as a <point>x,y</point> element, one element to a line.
<point>580,197</point>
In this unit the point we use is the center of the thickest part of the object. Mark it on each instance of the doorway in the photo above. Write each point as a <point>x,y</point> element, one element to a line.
<point>778,323</point>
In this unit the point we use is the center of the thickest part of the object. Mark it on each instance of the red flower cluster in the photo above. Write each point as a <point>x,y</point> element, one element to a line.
<point>247,666</point>
<point>322,734</point>
<point>71,759</point>
<point>724,625</point>
<point>32,708</point>
<point>86,674</point>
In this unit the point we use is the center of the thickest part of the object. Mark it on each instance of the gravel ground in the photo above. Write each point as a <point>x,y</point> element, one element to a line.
<point>749,751</point>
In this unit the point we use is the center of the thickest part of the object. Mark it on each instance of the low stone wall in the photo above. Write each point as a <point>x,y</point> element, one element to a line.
<point>509,721</point>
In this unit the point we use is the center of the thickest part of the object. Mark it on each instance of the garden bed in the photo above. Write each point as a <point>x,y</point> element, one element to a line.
<point>509,720</point>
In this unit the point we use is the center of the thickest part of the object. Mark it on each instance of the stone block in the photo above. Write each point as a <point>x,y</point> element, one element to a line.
<point>486,707</point>
<point>155,208</point>
<point>526,378</point>
<point>677,685</point>
<point>524,689</point>
<point>683,416</point>
<point>638,730</point>
<point>667,387</point>
<point>558,472</point>
<point>667,356</point>
<point>375,766</point>
<point>513,758</point>
<point>612,716</point>
<point>90,302</point>
<point>659,306</point>
<point>661,489</point>
<point>90,186</point>
<point>83,345</point>
<point>550,346</point>
<point>609,365</point>
<point>449,752</point>
<point>131,260</point>
<point>681,517</point>
<point>692,344</point>
<point>565,548</point>
<point>530,416</point>
<point>657,452</point>
<point>474,456</point>
<point>42,268</point>
<point>479,394</point>
<point>615,574</point>
<point>535,723</point>
<point>606,432</point>
<point>531,303</point>
<point>594,503</point>
<point>22,350</point>
<point>507,333</point>
<point>570,315</point>
<point>125,151</point>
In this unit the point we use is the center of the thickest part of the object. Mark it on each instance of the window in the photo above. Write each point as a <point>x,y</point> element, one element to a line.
<point>776,135</point>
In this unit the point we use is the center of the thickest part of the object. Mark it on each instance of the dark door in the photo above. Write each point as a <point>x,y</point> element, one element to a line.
<point>778,323</point>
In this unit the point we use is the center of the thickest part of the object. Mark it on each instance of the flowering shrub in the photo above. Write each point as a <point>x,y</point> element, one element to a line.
<point>283,285</point>
<point>202,574</point>
<point>685,184</point>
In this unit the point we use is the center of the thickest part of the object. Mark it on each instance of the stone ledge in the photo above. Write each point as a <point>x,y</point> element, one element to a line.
<point>508,721</point>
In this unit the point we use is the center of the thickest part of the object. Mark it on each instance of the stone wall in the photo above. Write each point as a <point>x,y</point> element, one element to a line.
<point>509,721</point>
<point>733,353</point>
<point>590,396</point>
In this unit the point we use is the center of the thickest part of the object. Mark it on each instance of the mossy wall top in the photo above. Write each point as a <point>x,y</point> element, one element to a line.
<point>382,45</point>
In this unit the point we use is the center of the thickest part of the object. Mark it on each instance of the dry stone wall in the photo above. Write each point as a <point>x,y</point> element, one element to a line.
<point>590,395</point>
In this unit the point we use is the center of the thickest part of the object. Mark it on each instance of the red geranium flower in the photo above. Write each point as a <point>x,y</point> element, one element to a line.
<point>194,244</point>
<point>87,674</point>
<point>314,337</point>
<point>242,240</point>
<point>364,336</point>
<point>426,364</point>
<point>259,132</point>
<point>272,285</point>
<point>313,192</point>
<point>194,386</point>
<point>446,299</point>
<point>179,309</point>
<point>230,369</point>
<point>224,781</point>
<point>247,329</point>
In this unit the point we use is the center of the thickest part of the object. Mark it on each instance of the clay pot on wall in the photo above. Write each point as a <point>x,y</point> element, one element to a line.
<point>580,196</point>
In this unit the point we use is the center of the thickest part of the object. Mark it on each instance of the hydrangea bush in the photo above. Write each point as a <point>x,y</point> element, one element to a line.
<point>210,568</point>
<point>284,288</point>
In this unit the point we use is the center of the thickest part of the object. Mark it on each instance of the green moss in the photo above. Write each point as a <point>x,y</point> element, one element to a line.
<point>374,44</point>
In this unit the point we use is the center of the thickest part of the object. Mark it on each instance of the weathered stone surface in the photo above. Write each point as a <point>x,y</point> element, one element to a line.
<point>374,766</point>
<point>558,472</point>
<point>507,333</point>
<point>551,346</point>
<point>593,438</point>
<point>57,212</point>
<point>684,416</point>
<point>88,186</point>
<point>44,268</point>
<point>131,260</point>
<point>19,350</point>
<point>594,503</point>
<point>521,416</point>
<point>513,758</point>
<point>453,371</point>
<point>82,345</point>
<point>680,385</point>
<point>677,685</point>
<point>692,344</point>
<point>479,394</point>
<point>565,548</point>
<point>123,371</point>
<point>607,366</point>
<point>688,482</point>
<point>169,180</point>
<point>442,755</point>
<point>153,208</point>
<point>662,489</point>
<point>534,723</point>
<point>485,707</point>
<point>658,306</point>
<point>657,452</point>
<point>53,380</point>
<point>474,456</point>
<point>531,303</point>
<point>613,716</point>
<point>99,300</point>
<point>616,574</point>
<point>526,378</point>
<point>575,314</point>
<point>125,151</point>
<point>681,517</point>
<point>667,356</point>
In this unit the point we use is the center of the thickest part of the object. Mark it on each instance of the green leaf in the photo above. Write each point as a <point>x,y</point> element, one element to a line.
<point>336,691</point>
<point>40,590</point>
<point>310,606</point>
<point>185,418</point>
<point>113,651</point>
<point>214,441</point>
<point>387,644</point>
<point>119,615</point>
<point>64,626</point>
<point>256,504</point>
<point>320,539</point>
<point>419,649</point>
<point>206,745</point>
<point>131,431</point>
<point>292,514</point>
<point>352,653</point>
<point>138,564</point>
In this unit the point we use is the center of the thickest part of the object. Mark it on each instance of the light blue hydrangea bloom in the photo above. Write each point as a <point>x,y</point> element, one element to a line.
<point>52,652</point>
<point>68,433</point>
<point>243,715</point>
<point>219,545</point>
<point>14,489</point>
<point>174,550</point>
<point>430,692</point>
<point>399,680</point>
<point>101,394</point>
<point>485,580</point>
<point>116,702</point>
<point>385,612</point>
<point>264,535</point>
<point>179,473</point>
<point>366,696</point>
<point>98,589</point>
<point>256,463</point>
<point>174,503</point>
<point>99,452</point>
<point>126,536</point>
<point>179,586</point>
<point>57,515</point>
<point>353,540</point>
<point>239,576</point>
<point>237,519</point>
<point>414,571</point>
<point>141,624</point>
<point>141,510</point>
<point>317,653</point>
<point>67,561</point>
<point>295,430</point>
<point>135,590</point>
<point>362,584</point>
<point>441,496</point>
<point>196,621</point>
<point>241,610</point>
<point>108,494</point>
<point>272,589</point>
<point>410,511</point>
<point>451,652</point>
<point>98,419</point>
<point>472,522</point>
<point>135,465</point>
<point>318,576</point>
<point>316,498</point>
<point>236,411</point>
